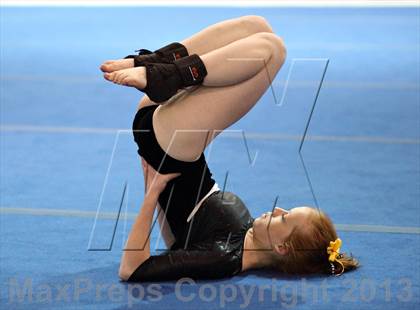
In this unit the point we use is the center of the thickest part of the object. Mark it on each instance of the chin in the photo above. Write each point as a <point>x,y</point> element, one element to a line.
<point>256,222</point>
<point>257,226</point>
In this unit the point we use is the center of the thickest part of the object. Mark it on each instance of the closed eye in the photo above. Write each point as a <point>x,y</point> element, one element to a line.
<point>282,218</point>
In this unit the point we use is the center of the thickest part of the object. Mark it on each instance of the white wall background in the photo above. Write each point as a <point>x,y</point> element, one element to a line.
<point>230,3</point>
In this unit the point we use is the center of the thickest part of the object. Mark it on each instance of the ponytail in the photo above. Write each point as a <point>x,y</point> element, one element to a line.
<point>344,263</point>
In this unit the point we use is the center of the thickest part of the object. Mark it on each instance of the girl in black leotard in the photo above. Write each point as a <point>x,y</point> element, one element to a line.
<point>224,70</point>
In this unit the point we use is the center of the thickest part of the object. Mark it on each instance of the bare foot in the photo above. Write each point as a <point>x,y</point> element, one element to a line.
<point>135,77</point>
<point>114,65</point>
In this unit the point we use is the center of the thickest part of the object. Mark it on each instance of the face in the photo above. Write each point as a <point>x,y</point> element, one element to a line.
<point>273,228</point>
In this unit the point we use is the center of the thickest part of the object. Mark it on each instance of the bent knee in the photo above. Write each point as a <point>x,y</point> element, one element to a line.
<point>276,45</point>
<point>256,23</point>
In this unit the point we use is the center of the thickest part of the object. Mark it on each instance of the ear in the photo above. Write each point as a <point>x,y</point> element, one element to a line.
<point>281,249</point>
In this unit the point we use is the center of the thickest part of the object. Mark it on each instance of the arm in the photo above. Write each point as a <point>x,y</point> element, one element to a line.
<point>137,248</point>
<point>205,261</point>
<point>138,244</point>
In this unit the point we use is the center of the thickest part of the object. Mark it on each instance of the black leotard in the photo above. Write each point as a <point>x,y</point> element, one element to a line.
<point>211,245</point>
<point>181,194</point>
<point>215,248</point>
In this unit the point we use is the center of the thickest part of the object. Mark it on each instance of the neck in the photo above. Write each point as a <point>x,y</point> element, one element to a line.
<point>253,257</point>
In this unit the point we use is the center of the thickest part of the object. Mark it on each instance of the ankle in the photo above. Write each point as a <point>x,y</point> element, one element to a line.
<point>192,70</point>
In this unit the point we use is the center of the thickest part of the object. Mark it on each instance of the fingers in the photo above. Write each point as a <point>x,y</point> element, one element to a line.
<point>171,176</point>
<point>145,166</point>
<point>151,172</point>
<point>145,172</point>
<point>155,180</point>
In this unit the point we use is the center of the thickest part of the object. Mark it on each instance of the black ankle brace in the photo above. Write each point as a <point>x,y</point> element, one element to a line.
<point>166,54</point>
<point>164,80</point>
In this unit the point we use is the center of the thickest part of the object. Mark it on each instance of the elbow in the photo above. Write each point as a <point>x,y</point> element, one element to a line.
<point>127,269</point>
<point>124,274</point>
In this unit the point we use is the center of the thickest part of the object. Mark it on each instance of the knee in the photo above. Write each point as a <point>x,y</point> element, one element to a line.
<point>256,23</point>
<point>276,46</point>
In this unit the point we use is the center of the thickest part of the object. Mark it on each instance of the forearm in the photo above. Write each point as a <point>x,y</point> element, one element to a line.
<point>137,248</point>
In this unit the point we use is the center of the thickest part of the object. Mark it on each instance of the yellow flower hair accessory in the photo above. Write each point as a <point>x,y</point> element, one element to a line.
<point>334,251</point>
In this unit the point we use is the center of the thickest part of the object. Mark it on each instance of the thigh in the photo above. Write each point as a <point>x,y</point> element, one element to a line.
<point>186,125</point>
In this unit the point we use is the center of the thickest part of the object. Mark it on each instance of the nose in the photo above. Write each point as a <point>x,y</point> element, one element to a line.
<point>277,212</point>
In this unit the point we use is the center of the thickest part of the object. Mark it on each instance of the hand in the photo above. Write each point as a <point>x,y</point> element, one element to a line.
<point>154,182</point>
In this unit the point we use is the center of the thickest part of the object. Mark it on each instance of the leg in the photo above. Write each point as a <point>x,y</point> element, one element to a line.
<point>219,35</point>
<point>240,84</point>
<point>224,33</point>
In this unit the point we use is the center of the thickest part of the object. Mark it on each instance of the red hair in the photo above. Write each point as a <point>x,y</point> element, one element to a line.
<point>307,249</point>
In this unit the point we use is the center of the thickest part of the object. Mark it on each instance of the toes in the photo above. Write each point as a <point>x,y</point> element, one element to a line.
<point>117,77</point>
<point>121,76</point>
<point>108,76</point>
<point>107,66</point>
<point>126,81</point>
<point>130,81</point>
<point>114,77</point>
<point>114,65</point>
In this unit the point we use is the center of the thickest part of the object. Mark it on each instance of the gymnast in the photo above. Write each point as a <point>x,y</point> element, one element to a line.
<point>201,86</point>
